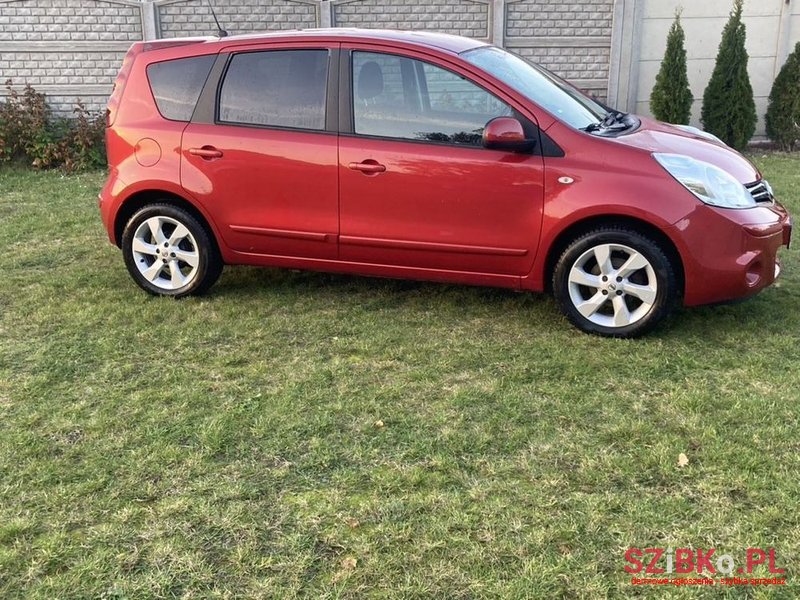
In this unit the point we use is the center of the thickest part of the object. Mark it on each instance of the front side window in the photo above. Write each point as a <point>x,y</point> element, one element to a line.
<point>399,97</point>
<point>279,88</point>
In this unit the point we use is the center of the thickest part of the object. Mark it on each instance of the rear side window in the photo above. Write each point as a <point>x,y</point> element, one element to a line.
<point>280,88</point>
<point>177,84</point>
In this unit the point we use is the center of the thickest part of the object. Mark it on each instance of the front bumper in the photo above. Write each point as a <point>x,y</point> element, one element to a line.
<point>731,254</point>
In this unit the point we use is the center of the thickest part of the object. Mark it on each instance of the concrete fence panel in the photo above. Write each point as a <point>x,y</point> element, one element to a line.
<point>67,49</point>
<point>572,38</point>
<point>177,18</point>
<point>71,49</point>
<point>461,17</point>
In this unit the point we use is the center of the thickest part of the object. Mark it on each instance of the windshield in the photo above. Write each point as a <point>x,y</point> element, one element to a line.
<point>539,85</point>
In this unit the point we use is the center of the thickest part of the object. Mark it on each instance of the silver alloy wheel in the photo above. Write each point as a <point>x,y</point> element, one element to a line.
<point>612,285</point>
<point>165,252</point>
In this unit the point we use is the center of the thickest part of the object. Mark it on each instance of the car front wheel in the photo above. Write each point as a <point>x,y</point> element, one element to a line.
<point>169,253</point>
<point>615,282</point>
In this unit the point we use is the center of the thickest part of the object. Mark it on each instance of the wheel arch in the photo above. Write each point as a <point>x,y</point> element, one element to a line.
<point>579,228</point>
<point>142,198</point>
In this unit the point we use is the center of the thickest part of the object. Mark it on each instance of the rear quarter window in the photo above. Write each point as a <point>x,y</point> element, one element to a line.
<point>176,85</point>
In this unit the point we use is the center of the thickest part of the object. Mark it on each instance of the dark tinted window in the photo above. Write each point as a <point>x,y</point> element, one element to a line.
<point>284,88</point>
<point>404,98</point>
<point>176,85</point>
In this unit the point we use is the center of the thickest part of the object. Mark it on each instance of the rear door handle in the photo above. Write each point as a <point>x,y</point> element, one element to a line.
<point>368,167</point>
<point>206,152</point>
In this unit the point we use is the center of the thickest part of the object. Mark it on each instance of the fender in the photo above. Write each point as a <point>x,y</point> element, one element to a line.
<point>156,186</point>
<point>554,226</point>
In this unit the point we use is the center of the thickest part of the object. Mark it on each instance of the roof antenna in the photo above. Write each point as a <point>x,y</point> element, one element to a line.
<point>220,31</point>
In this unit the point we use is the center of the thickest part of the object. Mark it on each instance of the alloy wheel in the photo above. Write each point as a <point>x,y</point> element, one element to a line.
<point>165,252</point>
<point>612,285</point>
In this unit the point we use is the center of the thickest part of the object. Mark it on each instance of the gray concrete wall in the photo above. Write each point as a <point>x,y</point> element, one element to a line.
<point>176,18</point>
<point>571,38</point>
<point>72,49</point>
<point>67,48</point>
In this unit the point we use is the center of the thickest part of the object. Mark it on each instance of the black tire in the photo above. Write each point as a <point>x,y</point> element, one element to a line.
<point>635,289</point>
<point>198,246</point>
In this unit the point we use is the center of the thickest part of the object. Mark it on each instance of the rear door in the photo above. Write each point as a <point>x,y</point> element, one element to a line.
<point>261,150</point>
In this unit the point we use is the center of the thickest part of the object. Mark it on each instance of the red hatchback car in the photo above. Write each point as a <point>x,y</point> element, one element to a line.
<point>425,156</point>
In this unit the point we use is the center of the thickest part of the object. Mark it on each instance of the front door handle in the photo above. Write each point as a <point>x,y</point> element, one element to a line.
<point>206,152</point>
<point>368,167</point>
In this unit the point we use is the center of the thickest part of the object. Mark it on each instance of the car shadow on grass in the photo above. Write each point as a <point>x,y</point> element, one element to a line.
<point>394,297</point>
<point>255,281</point>
<point>759,315</point>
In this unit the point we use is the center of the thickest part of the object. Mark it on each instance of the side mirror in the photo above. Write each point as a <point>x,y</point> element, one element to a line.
<point>505,133</point>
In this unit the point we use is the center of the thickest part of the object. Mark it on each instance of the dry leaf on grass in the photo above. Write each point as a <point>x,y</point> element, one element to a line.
<point>347,565</point>
<point>378,424</point>
<point>683,460</point>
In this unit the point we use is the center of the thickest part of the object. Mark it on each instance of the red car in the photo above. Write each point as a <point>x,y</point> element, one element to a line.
<point>424,156</point>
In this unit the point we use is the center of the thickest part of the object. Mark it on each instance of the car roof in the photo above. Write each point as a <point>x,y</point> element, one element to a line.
<point>441,41</point>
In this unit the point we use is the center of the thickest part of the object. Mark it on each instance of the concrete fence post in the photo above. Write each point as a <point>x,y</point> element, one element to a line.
<point>498,23</point>
<point>624,56</point>
<point>326,13</point>
<point>150,20</point>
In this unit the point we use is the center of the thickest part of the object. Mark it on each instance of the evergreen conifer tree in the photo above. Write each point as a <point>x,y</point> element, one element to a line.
<point>783,111</point>
<point>671,98</point>
<point>729,111</point>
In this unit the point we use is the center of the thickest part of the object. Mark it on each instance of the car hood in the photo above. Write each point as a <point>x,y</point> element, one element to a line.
<point>655,136</point>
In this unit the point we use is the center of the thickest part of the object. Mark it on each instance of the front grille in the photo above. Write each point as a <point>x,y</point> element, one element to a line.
<point>760,191</point>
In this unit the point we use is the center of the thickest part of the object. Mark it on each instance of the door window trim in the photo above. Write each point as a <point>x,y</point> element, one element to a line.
<point>347,104</point>
<point>207,109</point>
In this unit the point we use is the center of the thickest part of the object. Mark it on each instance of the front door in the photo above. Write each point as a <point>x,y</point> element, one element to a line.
<point>417,189</point>
<point>265,168</point>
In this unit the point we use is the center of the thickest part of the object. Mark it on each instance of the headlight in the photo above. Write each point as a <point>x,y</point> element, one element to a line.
<point>699,133</point>
<point>710,184</point>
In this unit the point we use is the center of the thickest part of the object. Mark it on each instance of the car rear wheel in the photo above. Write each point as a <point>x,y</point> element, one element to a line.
<point>615,282</point>
<point>169,253</point>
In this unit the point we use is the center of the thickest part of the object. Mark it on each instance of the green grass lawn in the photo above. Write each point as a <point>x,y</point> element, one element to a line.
<point>323,436</point>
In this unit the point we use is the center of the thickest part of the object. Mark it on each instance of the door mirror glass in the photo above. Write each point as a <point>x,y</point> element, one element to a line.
<point>505,133</point>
